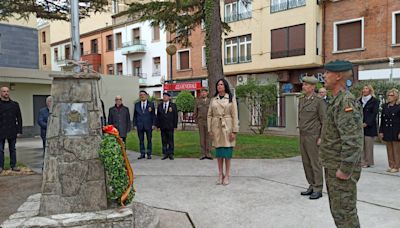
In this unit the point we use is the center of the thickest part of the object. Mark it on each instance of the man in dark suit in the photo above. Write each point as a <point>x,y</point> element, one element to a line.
<point>119,117</point>
<point>167,121</point>
<point>42,120</point>
<point>144,120</point>
<point>10,127</point>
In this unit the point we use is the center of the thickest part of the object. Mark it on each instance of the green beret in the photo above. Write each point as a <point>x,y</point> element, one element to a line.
<point>338,66</point>
<point>310,80</point>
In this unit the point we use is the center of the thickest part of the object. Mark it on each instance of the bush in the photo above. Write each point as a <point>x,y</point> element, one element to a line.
<point>185,102</point>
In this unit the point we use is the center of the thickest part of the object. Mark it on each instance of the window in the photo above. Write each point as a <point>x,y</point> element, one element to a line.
<point>245,48</point>
<point>231,12</point>
<point>94,46</point>
<point>281,5</point>
<point>44,60</point>
<point>119,68</point>
<point>348,35</point>
<point>319,40</point>
<point>55,54</point>
<point>43,37</point>
<point>156,66</point>
<point>237,10</point>
<point>156,33</point>
<point>137,68</point>
<point>110,69</point>
<point>67,52</point>
<point>288,41</point>
<point>231,51</point>
<point>81,48</point>
<point>396,27</point>
<point>118,40</point>
<point>203,56</point>
<point>110,43</point>
<point>136,34</point>
<point>183,60</point>
<point>238,49</point>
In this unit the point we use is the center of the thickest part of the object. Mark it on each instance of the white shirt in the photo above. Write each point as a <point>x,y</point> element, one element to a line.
<point>165,106</point>
<point>144,104</point>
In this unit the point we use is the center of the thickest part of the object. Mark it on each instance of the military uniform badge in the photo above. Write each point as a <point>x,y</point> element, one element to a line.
<point>170,109</point>
<point>150,109</point>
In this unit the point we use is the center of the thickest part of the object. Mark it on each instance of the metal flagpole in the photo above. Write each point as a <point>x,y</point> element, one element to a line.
<point>75,39</point>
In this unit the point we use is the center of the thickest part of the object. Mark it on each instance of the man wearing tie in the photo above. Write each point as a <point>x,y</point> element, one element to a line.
<point>167,121</point>
<point>144,120</point>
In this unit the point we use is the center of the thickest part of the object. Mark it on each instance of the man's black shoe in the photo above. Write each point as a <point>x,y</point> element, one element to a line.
<point>171,157</point>
<point>307,193</point>
<point>15,169</point>
<point>141,157</point>
<point>165,157</point>
<point>148,156</point>
<point>202,158</point>
<point>315,195</point>
<point>209,158</point>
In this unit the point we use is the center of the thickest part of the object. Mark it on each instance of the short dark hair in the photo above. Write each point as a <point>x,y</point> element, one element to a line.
<point>142,91</point>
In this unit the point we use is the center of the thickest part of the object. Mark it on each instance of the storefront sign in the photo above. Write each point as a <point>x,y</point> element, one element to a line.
<point>183,86</point>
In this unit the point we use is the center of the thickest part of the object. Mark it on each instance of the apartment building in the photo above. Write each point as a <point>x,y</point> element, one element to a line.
<point>187,69</point>
<point>367,33</point>
<point>43,28</point>
<point>274,40</point>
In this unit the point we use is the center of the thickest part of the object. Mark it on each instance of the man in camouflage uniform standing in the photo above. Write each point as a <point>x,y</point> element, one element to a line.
<point>342,144</point>
<point>311,116</point>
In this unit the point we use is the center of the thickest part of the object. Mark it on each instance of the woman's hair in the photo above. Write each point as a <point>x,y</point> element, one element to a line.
<point>395,92</point>
<point>227,90</point>
<point>371,90</point>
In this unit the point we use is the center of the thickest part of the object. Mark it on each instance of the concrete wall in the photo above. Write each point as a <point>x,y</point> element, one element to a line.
<point>18,46</point>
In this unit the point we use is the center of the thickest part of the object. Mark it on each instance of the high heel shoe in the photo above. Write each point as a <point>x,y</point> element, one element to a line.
<point>220,179</point>
<point>226,180</point>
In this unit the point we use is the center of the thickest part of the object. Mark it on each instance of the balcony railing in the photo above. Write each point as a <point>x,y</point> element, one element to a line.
<point>132,47</point>
<point>289,4</point>
<point>237,17</point>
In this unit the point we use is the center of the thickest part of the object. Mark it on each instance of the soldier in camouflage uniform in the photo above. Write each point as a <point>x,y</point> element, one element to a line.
<point>341,145</point>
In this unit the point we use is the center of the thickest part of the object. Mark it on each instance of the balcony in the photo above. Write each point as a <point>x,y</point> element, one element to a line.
<point>286,5</point>
<point>237,17</point>
<point>236,60</point>
<point>61,61</point>
<point>133,47</point>
<point>142,77</point>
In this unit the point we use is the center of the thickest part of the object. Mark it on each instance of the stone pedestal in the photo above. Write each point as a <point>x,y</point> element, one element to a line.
<point>73,176</point>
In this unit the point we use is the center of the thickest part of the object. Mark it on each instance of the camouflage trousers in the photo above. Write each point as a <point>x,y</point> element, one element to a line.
<point>343,198</point>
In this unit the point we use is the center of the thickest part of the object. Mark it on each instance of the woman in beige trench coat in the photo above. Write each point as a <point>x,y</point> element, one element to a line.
<point>222,120</point>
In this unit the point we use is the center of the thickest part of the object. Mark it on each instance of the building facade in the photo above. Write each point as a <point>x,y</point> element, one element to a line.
<point>44,45</point>
<point>367,33</point>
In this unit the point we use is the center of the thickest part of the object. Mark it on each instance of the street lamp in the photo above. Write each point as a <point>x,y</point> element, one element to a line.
<point>171,50</point>
<point>391,64</point>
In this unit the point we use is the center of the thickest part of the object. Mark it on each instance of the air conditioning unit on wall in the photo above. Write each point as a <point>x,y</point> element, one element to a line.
<point>241,79</point>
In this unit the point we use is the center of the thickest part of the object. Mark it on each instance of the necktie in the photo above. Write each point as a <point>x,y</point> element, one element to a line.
<point>143,106</point>
<point>165,107</point>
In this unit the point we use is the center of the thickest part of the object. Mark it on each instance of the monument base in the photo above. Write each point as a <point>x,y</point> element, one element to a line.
<point>134,215</point>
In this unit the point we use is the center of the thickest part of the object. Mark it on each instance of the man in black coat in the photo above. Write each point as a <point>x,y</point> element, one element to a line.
<point>119,117</point>
<point>167,121</point>
<point>144,119</point>
<point>42,120</point>
<point>10,127</point>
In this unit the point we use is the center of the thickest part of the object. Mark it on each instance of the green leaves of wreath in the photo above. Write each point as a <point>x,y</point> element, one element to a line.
<point>117,178</point>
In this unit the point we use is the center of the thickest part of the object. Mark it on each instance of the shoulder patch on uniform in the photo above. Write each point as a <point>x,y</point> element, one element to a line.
<point>348,109</point>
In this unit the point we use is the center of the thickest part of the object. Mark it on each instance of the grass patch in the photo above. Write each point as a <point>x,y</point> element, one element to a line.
<point>7,163</point>
<point>247,145</point>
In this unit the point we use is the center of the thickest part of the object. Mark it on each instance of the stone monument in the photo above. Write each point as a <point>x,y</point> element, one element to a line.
<point>73,175</point>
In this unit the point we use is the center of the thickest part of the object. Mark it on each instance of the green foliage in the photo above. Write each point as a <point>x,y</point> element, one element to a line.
<point>185,101</point>
<point>48,9</point>
<point>380,87</point>
<point>117,178</point>
<point>261,97</point>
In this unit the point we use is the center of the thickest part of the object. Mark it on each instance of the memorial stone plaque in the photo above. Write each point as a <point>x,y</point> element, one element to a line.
<point>74,119</point>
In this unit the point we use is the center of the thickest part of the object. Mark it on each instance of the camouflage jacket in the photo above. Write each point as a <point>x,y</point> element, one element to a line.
<point>342,134</point>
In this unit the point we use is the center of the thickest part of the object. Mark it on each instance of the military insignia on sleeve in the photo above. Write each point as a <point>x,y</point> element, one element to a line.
<point>170,109</point>
<point>349,109</point>
<point>150,109</point>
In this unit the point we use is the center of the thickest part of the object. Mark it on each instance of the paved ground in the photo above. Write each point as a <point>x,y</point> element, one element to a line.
<point>263,193</point>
